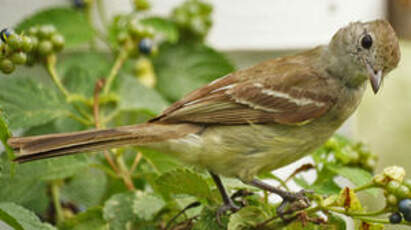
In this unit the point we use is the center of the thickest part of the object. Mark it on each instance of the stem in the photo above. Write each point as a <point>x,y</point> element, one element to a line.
<point>51,69</point>
<point>55,186</point>
<point>80,119</point>
<point>364,187</point>
<point>136,161</point>
<point>356,214</point>
<point>125,173</point>
<point>121,58</point>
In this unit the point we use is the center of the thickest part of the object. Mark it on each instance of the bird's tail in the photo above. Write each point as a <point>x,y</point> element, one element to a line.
<point>53,145</point>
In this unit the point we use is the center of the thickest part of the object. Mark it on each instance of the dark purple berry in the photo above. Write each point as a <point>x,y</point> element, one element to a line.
<point>405,207</point>
<point>395,218</point>
<point>145,46</point>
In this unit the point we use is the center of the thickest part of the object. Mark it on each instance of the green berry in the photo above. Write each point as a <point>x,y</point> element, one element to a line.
<point>34,42</point>
<point>392,200</point>
<point>7,66</point>
<point>46,31</point>
<point>135,28</point>
<point>15,42</point>
<point>395,218</point>
<point>393,186</point>
<point>407,182</point>
<point>19,58</point>
<point>403,191</point>
<point>58,42</point>
<point>27,44</point>
<point>141,5</point>
<point>122,37</point>
<point>33,31</point>
<point>45,47</point>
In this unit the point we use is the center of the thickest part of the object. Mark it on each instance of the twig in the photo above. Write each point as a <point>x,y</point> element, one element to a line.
<point>51,69</point>
<point>121,58</point>
<point>97,88</point>
<point>302,168</point>
<point>55,193</point>
<point>135,162</point>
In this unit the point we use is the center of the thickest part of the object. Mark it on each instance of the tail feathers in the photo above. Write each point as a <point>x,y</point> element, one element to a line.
<point>53,145</point>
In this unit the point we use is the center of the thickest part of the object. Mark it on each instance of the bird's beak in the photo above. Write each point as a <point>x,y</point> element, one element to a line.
<point>375,78</point>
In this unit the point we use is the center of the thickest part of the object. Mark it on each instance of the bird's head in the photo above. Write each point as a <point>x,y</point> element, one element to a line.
<point>368,50</point>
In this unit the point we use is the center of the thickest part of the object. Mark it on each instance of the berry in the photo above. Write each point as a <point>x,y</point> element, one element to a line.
<point>393,186</point>
<point>145,46</point>
<point>5,34</point>
<point>34,42</point>
<point>392,199</point>
<point>141,5</point>
<point>7,66</point>
<point>407,182</point>
<point>19,58</point>
<point>27,44</point>
<point>79,4</point>
<point>46,31</point>
<point>58,42</point>
<point>405,207</point>
<point>395,218</point>
<point>122,37</point>
<point>45,48</point>
<point>403,191</point>
<point>15,42</point>
<point>33,31</point>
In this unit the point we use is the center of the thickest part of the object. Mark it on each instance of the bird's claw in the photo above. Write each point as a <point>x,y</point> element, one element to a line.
<point>295,202</point>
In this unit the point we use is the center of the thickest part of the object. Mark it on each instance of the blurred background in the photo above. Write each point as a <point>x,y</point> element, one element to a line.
<point>250,31</point>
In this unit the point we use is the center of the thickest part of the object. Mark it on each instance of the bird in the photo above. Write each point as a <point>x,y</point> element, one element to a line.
<point>256,119</point>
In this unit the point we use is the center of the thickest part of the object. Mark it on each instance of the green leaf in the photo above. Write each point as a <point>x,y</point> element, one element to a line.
<point>26,219</point>
<point>335,222</point>
<point>184,181</point>
<point>4,135</point>
<point>324,184</point>
<point>163,26</point>
<point>127,209</point>
<point>207,221</point>
<point>28,103</point>
<point>87,188</point>
<point>146,206</point>
<point>161,162</point>
<point>247,218</point>
<point>181,68</point>
<point>11,221</point>
<point>71,23</point>
<point>90,219</point>
<point>357,176</point>
<point>134,96</point>
<point>81,70</point>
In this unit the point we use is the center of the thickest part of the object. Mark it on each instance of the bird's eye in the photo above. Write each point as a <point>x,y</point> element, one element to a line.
<point>366,41</point>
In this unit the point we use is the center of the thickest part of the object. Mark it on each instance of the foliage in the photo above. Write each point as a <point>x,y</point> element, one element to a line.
<point>130,81</point>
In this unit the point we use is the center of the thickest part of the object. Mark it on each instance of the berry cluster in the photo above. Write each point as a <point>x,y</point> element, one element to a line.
<point>46,39</point>
<point>194,16</point>
<point>13,50</point>
<point>351,154</point>
<point>404,210</point>
<point>139,34</point>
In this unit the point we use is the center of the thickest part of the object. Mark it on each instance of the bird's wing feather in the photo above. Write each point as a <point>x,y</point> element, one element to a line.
<point>272,92</point>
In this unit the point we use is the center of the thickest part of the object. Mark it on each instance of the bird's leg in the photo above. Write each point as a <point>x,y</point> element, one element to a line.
<point>228,202</point>
<point>297,200</point>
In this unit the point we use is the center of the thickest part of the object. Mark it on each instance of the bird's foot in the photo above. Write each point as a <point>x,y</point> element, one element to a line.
<point>230,206</point>
<point>293,202</point>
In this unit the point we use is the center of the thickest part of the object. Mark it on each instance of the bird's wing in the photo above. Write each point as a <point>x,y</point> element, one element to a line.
<point>273,92</point>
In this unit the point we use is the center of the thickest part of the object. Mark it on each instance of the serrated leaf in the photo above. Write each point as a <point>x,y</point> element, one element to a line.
<point>86,188</point>
<point>246,219</point>
<point>146,206</point>
<point>163,26</point>
<point>90,219</point>
<point>127,209</point>
<point>357,176</point>
<point>181,68</point>
<point>26,219</point>
<point>184,181</point>
<point>134,96</point>
<point>71,23</point>
<point>4,135</point>
<point>28,103</point>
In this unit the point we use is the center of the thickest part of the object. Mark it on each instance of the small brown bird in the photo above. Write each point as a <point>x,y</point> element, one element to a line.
<point>256,119</point>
